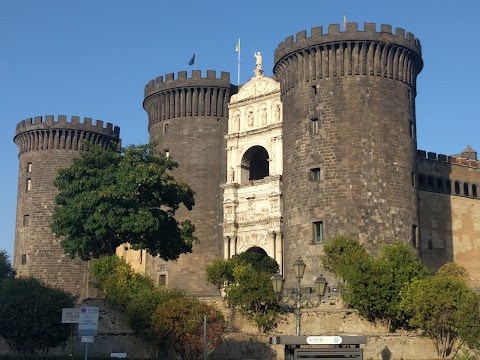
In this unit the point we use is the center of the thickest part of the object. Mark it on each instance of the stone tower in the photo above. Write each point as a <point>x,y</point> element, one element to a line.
<point>45,146</point>
<point>349,138</point>
<point>188,119</point>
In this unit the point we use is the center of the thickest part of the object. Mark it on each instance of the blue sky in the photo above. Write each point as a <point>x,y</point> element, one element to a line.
<point>92,58</point>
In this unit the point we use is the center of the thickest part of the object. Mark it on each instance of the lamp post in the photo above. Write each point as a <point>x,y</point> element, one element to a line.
<point>320,287</point>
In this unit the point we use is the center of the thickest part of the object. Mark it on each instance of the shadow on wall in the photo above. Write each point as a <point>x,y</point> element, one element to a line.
<point>233,349</point>
<point>386,353</point>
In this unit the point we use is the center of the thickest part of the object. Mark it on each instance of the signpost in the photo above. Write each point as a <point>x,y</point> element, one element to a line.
<point>87,325</point>
<point>87,320</point>
<point>70,316</point>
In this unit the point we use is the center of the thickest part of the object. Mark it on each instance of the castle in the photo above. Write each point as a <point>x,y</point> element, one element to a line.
<point>327,146</point>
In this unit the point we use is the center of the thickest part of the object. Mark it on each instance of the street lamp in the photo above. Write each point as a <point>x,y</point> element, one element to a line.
<point>320,287</point>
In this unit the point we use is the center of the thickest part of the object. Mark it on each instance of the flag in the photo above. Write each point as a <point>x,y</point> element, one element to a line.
<point>193,60</point>
<point>344,21</point>
<point>237,48</point>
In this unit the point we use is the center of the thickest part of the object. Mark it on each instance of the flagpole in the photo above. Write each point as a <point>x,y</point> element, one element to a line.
<point>238,70</point>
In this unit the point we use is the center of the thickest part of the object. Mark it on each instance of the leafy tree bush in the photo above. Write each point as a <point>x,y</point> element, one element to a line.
<point>109,198</point>
<point>446,310</point>
<point>253,294</point>
<point>178,327</point>
<point>344,256</point>
<point>118,281</point>
<point>373,285</point>
<point>220,272</point>
<point>142,306</point>
<point>258,261</point>
<point>31,313</point>
<point>6,268</point>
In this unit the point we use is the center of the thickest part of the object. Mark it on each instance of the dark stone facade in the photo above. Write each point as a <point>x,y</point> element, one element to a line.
<point>45,146</point>
<point>188,117</point>
<point>359,86</point>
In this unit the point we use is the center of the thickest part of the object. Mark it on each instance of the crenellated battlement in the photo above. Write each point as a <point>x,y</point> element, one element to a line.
<point>62,122</point>
<point>353,52</point>
<point>169,98</point>
<point>50,133</point>
<point>352,33</point>
<point>453,160</point>
<point>168,81</point>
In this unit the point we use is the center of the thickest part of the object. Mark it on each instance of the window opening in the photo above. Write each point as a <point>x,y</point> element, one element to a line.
<point>318,232</point>
<point>315,174</point>
<point>162,280</point>
<point>24,259</point>
<point>465,189</point>
<point>26,220</point>
<point>29,185</point>
<point>457,188</point>
<point>440,185</point>
<point>474,190</point>
<point>414,235</point>
<point>314,126</point>
<point>29,167</point>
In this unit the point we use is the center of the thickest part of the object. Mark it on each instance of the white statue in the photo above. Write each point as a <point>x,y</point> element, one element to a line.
<point>258,69</point>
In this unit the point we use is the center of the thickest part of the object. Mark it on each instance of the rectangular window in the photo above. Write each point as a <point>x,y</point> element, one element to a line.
<point>26,220</point>
<point>414,235</point>
<point>315,174</point>
<point>314,126</point>
<point>314,88</point>
<point>24,259</point>
<point>413,179</point>
<point>29,185</point>
<point>166,128</point>
<point>162,280</point>
<point>29,167</point>
<point>410,129</point>
<point>167,153</point>
<point>317,232</point>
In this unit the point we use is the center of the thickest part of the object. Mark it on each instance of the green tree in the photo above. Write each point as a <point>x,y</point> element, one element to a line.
<point>108,198</point>
<point>220,272</point>
<point>118,281</point>
<point>178,327</point>
<point>452,269</point>
<point>344,257</point>
<point>259,262</point>
<point>30,315</point>
<point>253,294</point>
<point>446,310</point>
<point>142,306</point>
<point>6,268</point>
<point>373,285</point>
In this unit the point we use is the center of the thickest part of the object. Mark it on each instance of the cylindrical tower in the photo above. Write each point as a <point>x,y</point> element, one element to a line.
<point>188,119</point>
<point>45,146</point>
<point>349,138</point>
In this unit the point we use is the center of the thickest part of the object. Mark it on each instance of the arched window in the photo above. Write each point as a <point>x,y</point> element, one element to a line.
<point>465,189</point>
<point>457,188</point>
<point>474,190</point>
<point>448,186</point>
<point>440,185</point>
<point>255,164</point>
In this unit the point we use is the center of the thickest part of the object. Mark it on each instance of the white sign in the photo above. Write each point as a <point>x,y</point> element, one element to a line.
<point>70,315</point>
<point>87,339</point>
<point>88,320</point>
<point>324,340</point>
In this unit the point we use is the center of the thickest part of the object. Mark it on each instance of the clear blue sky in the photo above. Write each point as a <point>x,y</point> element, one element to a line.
<point>92,58</point>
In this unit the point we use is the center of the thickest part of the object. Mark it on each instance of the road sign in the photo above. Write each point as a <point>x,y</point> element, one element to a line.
<point>324,340</point>
<point>88,339</point>
<point>88,321</point>
<point>70,315</point>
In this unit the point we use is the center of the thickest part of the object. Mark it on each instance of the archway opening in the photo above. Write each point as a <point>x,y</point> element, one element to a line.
<point>255,164</point>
